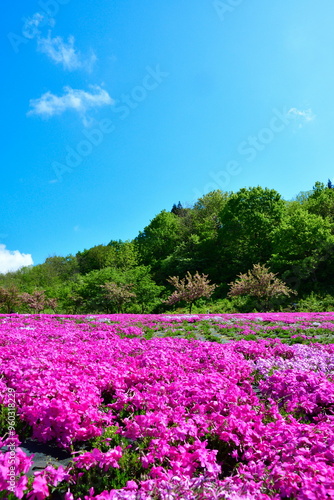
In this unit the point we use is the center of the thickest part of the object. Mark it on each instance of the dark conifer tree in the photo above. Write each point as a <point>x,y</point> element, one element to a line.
<point>179,210</point>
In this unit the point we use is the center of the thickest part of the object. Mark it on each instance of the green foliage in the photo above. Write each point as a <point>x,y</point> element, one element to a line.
<point>224,453</point>
<point>130,467</point>
<point>146,290</point>
<point>316,303</point>
<point>221,235</point>
<point>88,294</point>
<point>205,214</point>
<point>248,221</point>
<point>7,496</point>
<point>197,246</point>
<point>301,243</point>
<point>61,269</point>
<point>159,238</point>
<point>117,254</point>
<point>321,202</point>
<point>51,274</point>
<point>124,254</point>
<point>22,429</point>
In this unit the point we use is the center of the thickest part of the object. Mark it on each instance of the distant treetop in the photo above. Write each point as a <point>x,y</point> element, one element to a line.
<point>179,210</point>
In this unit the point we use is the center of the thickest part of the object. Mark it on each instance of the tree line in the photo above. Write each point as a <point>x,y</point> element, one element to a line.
<point>222,236</point>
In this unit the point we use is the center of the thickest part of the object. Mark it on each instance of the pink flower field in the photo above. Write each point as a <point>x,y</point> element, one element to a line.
<point>167,407</point>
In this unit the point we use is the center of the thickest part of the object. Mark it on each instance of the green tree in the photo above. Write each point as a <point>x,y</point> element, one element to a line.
<point>185,257</point>
<point>159,238</point>
<point>87,295</point>
<point>118,254</point>
<point>124,254</point>
<point>248,221</point>
<point>321,202</point>
<point>94,258</point>
<point>61,269</point>
<point>146,290</point>
<point>206,214</point>
<point>302,243</point>
<point>197,247</point>
<point>49,275</point>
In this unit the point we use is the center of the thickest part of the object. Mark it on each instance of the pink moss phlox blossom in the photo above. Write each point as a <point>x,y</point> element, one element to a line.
<point>97,458</point>
<point>40,489</point>
<point>22,464</point>
<point>196,404</point>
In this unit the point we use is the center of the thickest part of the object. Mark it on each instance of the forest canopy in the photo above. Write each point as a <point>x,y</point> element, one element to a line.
<point>222,235</point>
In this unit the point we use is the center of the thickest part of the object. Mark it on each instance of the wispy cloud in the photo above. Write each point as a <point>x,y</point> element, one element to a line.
<point>31,24</point>
<point>62,52</point>
<point>304,116</point>
<point>13,260</point>
<point>81,101</point>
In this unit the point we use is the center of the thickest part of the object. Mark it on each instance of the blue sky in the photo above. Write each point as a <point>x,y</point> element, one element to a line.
<point>115,110</point>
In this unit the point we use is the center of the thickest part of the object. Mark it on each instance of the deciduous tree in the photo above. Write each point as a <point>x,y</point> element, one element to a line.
<point>190,288</point>
<point>159,238</point>
<point>37,301</point>
<point>119,294</point>
<point>248,221</point>
<point>9,298</point>
<point>302,243</point>
<point>259,282</point>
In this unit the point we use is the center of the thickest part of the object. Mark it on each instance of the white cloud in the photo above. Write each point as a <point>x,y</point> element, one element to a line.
<point>73,99</point>
<point>304,116</point>
<point>64,53</point>
<point>31,24</point>
<point>13,260</point>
